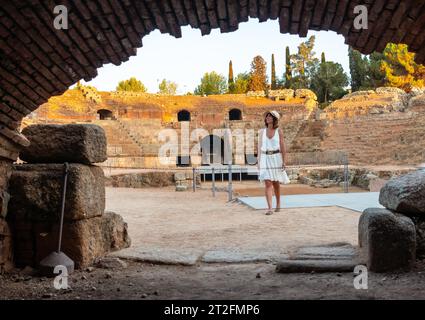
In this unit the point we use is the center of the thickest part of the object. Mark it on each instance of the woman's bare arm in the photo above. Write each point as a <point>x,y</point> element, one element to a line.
<point>260,140</point>
<point>282,147</point>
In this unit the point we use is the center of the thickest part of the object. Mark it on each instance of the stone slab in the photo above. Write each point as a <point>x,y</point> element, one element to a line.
<point>78,143</point>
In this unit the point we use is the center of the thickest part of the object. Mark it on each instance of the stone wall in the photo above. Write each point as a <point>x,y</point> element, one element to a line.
<point>6,256</point>
<point>36,188</point>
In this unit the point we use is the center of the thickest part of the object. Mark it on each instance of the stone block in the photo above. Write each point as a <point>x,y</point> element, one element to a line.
<point>387,240</point>
<point>36,192</point>
<point>305,93</point>
<point>405,194</point>
<point>78,143</point>
<point>84,241</point>
<point>6,250</point>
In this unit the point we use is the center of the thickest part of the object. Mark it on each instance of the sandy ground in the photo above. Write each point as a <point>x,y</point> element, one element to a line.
<point>163,218</point>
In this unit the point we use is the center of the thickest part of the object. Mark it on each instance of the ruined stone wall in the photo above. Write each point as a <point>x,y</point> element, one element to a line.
<point>382,127</point>
<point>133,136</point>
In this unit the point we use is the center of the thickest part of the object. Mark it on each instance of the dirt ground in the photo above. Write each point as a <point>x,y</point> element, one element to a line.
<point>187,221</point>
<point>212,281</point>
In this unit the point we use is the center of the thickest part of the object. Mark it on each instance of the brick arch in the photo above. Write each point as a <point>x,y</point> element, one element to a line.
<point>38,61</point>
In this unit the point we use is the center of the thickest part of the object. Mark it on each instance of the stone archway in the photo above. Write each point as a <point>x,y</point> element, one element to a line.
<point>183,115</point>
<point>105,114</point>
<point>38,61</point>
<point>235,114</point>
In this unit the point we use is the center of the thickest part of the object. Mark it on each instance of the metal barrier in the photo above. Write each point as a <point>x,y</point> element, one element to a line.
<point>294,160</point>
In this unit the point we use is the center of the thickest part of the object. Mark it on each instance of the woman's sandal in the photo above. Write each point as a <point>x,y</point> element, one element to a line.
<point>277,210</point>
<point>269,212</point>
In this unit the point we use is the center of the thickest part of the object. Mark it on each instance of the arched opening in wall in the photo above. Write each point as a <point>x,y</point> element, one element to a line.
<point>235,114</point>
<point>173,213</point>
<point>104,114</point>
<point>183,115</point>
<point>212,150</point>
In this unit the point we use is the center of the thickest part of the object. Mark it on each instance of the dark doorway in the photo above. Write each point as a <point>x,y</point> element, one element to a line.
<point>212,150</point>
<point>105,114</point>
<point>183,115</point>
<point>235,114</point>
<point>183,161</point>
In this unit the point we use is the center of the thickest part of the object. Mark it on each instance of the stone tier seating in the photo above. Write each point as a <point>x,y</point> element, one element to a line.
<point>392,239</point>
<point>89,232</point>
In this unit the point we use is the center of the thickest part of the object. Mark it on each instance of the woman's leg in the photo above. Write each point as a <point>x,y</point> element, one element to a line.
<point>269,193</point>
<point>276,187</point>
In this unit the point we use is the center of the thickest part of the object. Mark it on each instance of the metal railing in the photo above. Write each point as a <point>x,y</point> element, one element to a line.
<point>294,160</point>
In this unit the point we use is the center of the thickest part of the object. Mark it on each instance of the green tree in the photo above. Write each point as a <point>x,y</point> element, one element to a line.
<point>288,71</point>
<point>241,83</point>
<point>211,83</point>
<point>258,75</point>
<point>168,88</point>
<point>273,78</point>
<point>359,67</point>
<point>231,82</point>
<point>323,58</point>
<point>131,84</point>
<point>328,81</point>
<point>400,68</point>
<point>376,77</point>
<point>303,63</point>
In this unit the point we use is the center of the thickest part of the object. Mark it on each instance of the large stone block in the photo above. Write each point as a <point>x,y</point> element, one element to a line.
<point>36,192</point>
<point>405,194</point>
<point>84,241</point>
<point>79,143</point>
<point>387,240</point>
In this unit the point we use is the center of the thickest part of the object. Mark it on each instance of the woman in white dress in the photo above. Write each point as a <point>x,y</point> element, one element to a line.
<point>271,159</point>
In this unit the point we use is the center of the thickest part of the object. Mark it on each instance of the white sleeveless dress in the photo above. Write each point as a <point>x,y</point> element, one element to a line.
<point>271,164</point>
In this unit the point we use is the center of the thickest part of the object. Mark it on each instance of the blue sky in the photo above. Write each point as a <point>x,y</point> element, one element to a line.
<point>185,60</point>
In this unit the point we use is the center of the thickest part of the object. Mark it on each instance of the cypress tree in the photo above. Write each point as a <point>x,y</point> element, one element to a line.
<point>273,84</point>
<point>323,57</point>
<point>231,82</point>
<point>288,74</point>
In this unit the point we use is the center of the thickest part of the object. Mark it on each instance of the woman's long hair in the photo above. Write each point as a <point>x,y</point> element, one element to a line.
<point>275,121</point>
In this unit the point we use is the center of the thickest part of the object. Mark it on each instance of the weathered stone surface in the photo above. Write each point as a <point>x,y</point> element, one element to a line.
<point>142,180</point>
<point>419,222</point>
<point>417,101</point>
<point>84,241</point>
<point>405,194</point>
<point>318,266</point>
<point>4,200</point>
<point>36,192</point>
<point>78,143</point>
<point>6,249</point>
<point>385,90</point>
<point>305,93</point>
<point>180,176</point>
<point>112,263</point>
<point>387,240</point>
<point>282,94</point>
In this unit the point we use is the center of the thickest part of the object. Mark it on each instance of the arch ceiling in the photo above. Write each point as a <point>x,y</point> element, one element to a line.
<point>38,61</point>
